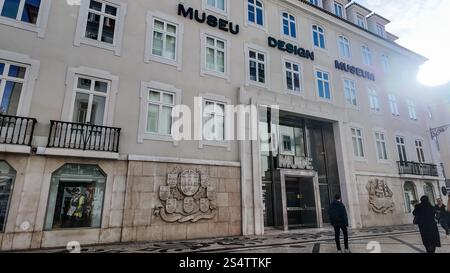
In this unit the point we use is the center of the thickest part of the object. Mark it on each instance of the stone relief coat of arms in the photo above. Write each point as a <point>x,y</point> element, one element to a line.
<point>380,197</point>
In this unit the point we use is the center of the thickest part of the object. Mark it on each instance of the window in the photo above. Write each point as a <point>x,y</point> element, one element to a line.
<point>217,5</point>
<point>393,105</point>
<point>338,10</point>
<point>214,121</point>
<point>357,139</point>
<point>367,55</point>
<point>315,2</point>
<point>380,141</point>
<point>256,12</point>
<point>344,47</point>
<point>292,73</point>
<point>101,24</point>
<point>26,11</point>
<point>76,197</point>
<point>159,113</point>
<point>215,54</point>
<point>401,148</point>
<point>360,20</point>
<point>318,36</point>
<point>350,92</point>
<point>7,178</point>
<point>428,190</point>
<point>380,30</point>
<point>289,25</point>
<point>385,62</point>
<point>419,150</point>
<point>164,39</point>
<point>410,196</point>
<point>323,84</point>
<point>257,67</point>
<point>12,81</point>
<point>412,110</point>
<point>373,100</point>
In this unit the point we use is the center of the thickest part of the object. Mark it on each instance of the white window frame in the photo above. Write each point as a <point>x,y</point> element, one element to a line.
<point>363,21</point>
<point>41,23</point>
<point>29,80</point>
<point>385,62</point>
<point>289,37</point>
<point>80,38</point>
<point>348,91</point>
<point>342,41</point>
<point>412,110</point>
<point>421,149</point>
<point>385,142</point>
<point>217,99</point>
<point>224,13</point>
<point>366,55</point>
<point>254,24</point>
<point>285,59</point>
<point>361,154</point>
<point>143,98</point>
<point>149,56</point>
<point>393,105</point>
<point>323,70</point>
<point>374,100</point>
<point>335,9</point>
<point>258,49</point>
<point>319,3</point>
<point>397,144</point>
<point>203,69</point>
<point>324,48</point>
<point>380,30</point>
<point>69,98</point>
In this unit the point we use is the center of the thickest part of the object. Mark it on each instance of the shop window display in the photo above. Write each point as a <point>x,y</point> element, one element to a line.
<point>7,176</point>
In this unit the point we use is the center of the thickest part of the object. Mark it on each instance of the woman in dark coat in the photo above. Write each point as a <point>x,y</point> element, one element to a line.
<point>425,213</point>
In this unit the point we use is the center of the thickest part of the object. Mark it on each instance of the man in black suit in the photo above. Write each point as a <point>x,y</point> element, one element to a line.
<point>339,220</point>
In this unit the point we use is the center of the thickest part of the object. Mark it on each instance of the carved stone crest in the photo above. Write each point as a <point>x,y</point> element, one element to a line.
<point>380,197</point>
<point>187,197</point>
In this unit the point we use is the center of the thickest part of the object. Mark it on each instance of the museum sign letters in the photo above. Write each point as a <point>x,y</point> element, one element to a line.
<point>354,70</point>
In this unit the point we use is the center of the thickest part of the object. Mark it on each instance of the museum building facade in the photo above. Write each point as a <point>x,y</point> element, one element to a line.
<point>88,90</point>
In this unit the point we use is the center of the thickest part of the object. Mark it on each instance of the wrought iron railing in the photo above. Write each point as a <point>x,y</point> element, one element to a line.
<point>79,136</point>
<point>16,130</point>
<point>417,168</point>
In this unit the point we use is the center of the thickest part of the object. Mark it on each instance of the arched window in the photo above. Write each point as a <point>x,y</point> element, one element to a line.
<point>428,189</point>
<point>410,196</point>
<point>256,12</point>
<point>344,47</point>
<point>318,36</point>
<point>76,197</point>
<point>289,25</point>
<point>7,177</point>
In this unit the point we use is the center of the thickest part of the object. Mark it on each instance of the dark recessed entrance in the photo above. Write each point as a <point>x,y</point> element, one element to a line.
<point>300,202</point>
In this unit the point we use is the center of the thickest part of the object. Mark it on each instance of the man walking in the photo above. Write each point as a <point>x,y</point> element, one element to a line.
<point>441,216</point>
<point>339,220</point>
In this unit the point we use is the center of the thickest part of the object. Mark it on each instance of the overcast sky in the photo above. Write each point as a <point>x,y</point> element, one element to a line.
<point>423,26</point>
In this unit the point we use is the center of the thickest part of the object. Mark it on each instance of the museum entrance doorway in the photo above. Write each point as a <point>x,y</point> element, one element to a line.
<point>300,203</point>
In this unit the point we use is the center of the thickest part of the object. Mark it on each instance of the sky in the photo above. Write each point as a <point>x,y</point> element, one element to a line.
<point>424,27</point>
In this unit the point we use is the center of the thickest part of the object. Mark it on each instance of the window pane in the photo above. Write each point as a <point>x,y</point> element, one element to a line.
<point>17,71</point>
<point>157,43</point>
<point>252,70</point>
<point>109,26</point>
<point>261,73</point>
<point>170,47</point>
<point>221,4</point>
<point>171,29</point>
<point>219,128</point>
<point>111,10</point>
<point>261,57</point>
<point>10,8</point>
<point>152,120</point>
<point>2,67</point>
<point>212,3</point>
<point>95,5</point>
<point>80,108</point>
<point>168,98</point>
<point>166,121</point>
<point>11,98</point>
<point>93,26</point>
<point>220,61</point>
<point>210,41</point>
<point>84,83</point>
<point>259,17</point>
<point>101,86</point>
<point>98,110</point>
<point>220,44</point>
<point>154,96</point>
<point>159,25</point>
<point>31,11</point>
<point>210,58</point>
<point>289,80</point>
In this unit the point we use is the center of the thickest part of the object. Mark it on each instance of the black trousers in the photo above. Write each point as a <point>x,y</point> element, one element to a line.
<point>431,249</point>
<point>444,223</point>
<point>337,236</point>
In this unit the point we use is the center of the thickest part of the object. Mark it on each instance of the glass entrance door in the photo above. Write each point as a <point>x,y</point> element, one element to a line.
<point>300,203</point>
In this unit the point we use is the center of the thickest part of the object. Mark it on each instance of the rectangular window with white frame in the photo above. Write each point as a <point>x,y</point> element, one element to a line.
<point>215,57</point>
<point>360,20</point>
<point>214,120</point>
<point>401,148</point>
<point>344,47</point>
<point>163,43</point>
<point>358,142</point>
<point>293,76</point>
<point>30,15</point>
<point>393,105</point>
<point>12,80</point>
<point>411,109</point>
<point>100,24</point>
<point>323,84</point>
<point>338,9</point>
<point>350,92</point>
<point>385,63</point>
<point>218,6</point>
<point>367,55</point>
<point>374,102</point>
<point>380,141</point>
<point>255,9</point>
<point>289,25</point>
<point>380,30</point>
<point>257,67</point>
<point>419,150</point>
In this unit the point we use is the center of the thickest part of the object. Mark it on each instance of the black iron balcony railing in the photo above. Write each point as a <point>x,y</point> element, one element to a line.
<point>16,130</point>
<point>417,168</point>
<point>79,136</point>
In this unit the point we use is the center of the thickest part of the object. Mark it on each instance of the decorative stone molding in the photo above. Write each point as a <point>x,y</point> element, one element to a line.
<point>380,197</point>
<point>187,197</point>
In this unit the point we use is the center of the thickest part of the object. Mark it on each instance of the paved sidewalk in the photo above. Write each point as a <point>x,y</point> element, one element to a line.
<point>395,239</point>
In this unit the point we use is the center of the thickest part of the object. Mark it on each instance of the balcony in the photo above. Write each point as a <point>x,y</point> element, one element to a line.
<point>416,168</point>
<point>86,137</point>
<point>16,130</point>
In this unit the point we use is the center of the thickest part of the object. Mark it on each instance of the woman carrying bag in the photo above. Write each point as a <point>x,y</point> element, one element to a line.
<point>425,217</point>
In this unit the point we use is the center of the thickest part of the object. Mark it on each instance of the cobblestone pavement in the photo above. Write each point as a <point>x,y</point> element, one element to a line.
<point>395,239</point>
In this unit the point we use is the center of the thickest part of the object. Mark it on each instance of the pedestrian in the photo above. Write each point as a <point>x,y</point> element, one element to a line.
<point>442,216</point>
<point>425,218</point>
<point>339,220</point>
